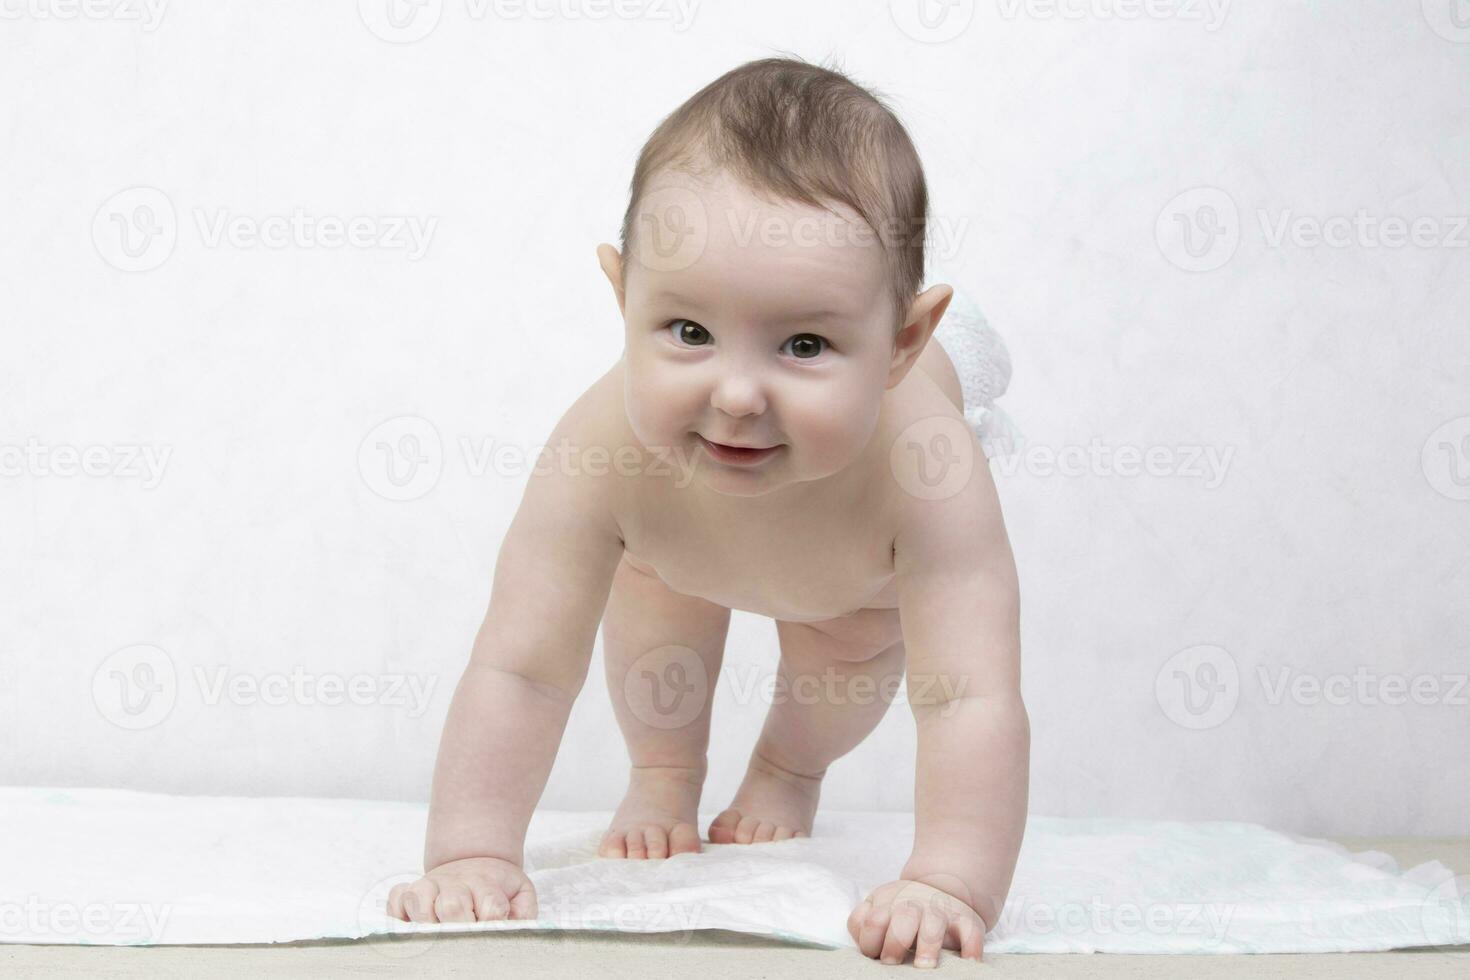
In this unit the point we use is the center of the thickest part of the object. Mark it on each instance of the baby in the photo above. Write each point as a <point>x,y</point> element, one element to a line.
<point>779,436</point>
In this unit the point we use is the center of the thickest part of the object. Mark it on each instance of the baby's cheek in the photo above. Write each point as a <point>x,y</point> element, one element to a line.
<point>657,413</point>
<point>835,427</point>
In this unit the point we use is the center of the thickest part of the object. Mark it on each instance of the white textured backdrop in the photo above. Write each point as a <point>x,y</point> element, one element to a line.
<point>1227,238</point>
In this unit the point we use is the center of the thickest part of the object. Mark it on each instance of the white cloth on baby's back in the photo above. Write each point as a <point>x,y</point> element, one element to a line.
<point>983,364</point>
<point>116,867</point>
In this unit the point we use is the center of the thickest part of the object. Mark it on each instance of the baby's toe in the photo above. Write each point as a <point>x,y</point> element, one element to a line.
<point>745,830</point>
<point>722,831</point>
<point>684,839</point>
<point>656,841</point>
<point>784,833</point>
<point>764,831</point>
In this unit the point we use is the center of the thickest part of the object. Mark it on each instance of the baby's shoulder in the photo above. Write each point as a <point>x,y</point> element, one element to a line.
<point>594,444</point>
<point>934,471</point>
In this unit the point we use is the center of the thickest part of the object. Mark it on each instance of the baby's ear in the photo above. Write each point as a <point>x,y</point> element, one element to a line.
<point>612,267</point>
<point>919,324</point>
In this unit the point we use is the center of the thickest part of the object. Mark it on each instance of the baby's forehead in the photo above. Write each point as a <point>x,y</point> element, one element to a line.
<point>715,227</point>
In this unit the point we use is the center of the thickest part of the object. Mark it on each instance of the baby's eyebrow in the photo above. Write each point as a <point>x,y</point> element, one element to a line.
<point>808,315</point>
<point>803,316</point>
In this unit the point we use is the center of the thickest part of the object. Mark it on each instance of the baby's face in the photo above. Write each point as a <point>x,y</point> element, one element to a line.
<point>764,324</point>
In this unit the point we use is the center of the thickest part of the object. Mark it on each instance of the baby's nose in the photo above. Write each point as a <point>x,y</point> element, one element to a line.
<point>738,394</point>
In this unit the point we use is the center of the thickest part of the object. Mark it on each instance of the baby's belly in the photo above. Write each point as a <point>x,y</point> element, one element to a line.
<point>864,598</point>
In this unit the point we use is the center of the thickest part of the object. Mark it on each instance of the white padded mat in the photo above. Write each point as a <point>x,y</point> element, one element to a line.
<point>116,867</point>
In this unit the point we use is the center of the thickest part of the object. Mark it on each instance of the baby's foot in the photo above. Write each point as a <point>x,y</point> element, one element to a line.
<point>657,816</point>
<point>772,804</point>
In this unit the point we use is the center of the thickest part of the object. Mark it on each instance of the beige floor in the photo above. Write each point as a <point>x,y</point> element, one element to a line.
<point>713,954</point>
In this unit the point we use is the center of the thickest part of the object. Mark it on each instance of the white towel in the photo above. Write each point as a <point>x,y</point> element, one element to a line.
<point>115,867</point>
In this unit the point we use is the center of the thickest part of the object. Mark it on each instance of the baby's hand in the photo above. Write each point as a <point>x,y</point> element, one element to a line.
<point>902,915</point>
<point>467,890</point>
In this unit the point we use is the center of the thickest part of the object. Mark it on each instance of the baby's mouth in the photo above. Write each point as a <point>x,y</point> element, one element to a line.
<point>736,454</point>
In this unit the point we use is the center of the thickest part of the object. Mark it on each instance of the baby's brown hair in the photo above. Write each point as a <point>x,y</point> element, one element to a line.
<point>805,133</point>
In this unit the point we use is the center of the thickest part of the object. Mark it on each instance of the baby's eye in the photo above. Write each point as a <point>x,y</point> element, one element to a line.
<point>689,332</point>
<point>807,345</point>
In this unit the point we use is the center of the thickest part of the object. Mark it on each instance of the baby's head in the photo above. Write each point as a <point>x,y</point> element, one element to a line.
<point>770,261</point>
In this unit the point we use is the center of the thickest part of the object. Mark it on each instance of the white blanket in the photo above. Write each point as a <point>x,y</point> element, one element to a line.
<point>118,867</point>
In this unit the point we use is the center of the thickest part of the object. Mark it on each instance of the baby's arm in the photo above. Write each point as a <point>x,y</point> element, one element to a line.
<point>958,600</point>
<point>551,584</point>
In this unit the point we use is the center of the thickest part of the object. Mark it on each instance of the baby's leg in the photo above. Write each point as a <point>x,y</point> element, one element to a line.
<point>831,694</point>
<point>663,652</point>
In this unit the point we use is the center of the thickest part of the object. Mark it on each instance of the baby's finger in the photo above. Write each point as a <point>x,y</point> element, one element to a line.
<point>523,904</point>
<point>874,928</point>
<point>490,903</point>
<point>856,917</point>
<point>901,931</point>
<point>931,937</point>
<point>418,900</point>
<point>395,902</point>
<point>454,903</point>
<point>968,932</point>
